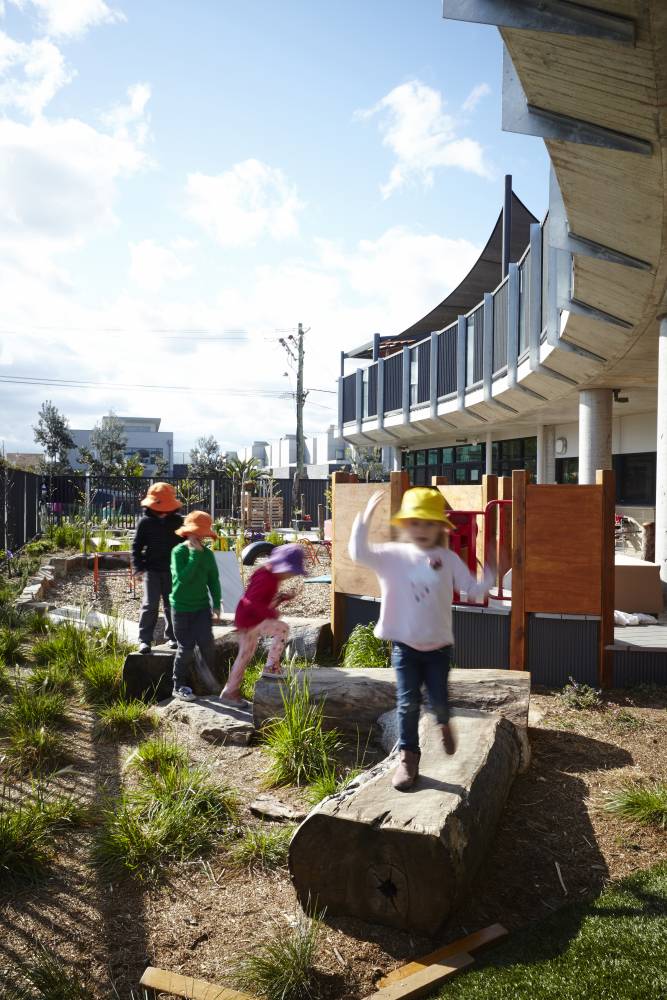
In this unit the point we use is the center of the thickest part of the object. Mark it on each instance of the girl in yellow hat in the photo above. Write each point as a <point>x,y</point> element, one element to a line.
<point>418,577</point>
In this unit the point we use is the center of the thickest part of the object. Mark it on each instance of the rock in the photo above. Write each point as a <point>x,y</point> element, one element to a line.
<point>212,721</point>
<point>406,859</point>
<point>269,807</point>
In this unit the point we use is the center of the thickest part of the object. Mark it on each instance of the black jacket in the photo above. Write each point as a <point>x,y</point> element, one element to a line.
<point>154,539</point>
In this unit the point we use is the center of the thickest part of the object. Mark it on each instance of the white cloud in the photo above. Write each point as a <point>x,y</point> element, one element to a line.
<point>70,18</point>
<point>31,73</point>
<point>478,92</point>
<point>245,204</point>
<point>152,266</point>
<point>130,119</point>
<point>422,136</point>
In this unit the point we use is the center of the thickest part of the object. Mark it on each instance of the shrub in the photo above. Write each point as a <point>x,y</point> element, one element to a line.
<point>301,750</point>
<point>124,717</point>
<point>65,535</point>
<point>579,696</point>
<point>38,548</point>
<point>262,848</point>
<point>102,680</point>
<point>171,817</point>
<point>643,803</point>
<point>282,969</point>
<point>274,537</point>
<point>12,649</point>
<point>364,649</point>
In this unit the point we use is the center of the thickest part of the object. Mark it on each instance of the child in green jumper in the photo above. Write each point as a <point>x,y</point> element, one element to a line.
<point>195,576</point>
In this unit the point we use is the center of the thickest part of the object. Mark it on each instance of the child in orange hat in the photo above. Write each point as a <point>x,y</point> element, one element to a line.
<point>153,541</point>
<point>196,585</point>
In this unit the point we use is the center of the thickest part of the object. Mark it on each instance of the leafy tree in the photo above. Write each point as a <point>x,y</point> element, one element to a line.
<point>242,472</point>
<point>52,432</point>
<point>106,455</point>
<point>206,458</point>
<point>161,465</point>
<point>366,463</point>
<point>133,467</point>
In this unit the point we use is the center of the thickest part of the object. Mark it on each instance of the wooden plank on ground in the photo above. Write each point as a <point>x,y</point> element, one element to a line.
<point>186,986</point>
<point>422,982</point>
<point>473,942</point>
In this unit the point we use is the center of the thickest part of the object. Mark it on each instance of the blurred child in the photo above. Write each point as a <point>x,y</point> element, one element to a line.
<point>257,616</point>
<point>153,541</point>
<point>418,576</point>
<point>196,585</point>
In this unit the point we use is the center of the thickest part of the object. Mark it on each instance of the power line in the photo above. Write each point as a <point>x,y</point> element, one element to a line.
<point>192,335</point>
<point>131,386</point>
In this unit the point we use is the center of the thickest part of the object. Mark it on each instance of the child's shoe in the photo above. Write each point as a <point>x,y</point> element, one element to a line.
<point>407,771</point>
<point>273,672</point>
<point>239,703</point>
<point>184,694</point>
<point>448,741</point>
<point>173,644</point>
<point>144,648</point>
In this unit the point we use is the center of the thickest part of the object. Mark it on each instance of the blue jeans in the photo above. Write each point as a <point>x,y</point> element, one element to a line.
<point>192,628</point>
<point>416,668</point>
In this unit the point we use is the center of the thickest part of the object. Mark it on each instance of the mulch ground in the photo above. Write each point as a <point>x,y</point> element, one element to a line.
<point>206,914</point>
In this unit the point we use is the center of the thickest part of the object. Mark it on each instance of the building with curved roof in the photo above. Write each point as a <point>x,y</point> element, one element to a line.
<point>560,366</point>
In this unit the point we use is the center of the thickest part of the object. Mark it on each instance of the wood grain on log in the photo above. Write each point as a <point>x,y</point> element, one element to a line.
<point>406,859</point>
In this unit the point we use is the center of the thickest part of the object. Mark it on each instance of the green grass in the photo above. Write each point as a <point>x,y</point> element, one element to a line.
<point>47,651</point>
<point>250,678</point>
<point>330,783</point>
<point>33,747</point>
<point>65,535</point>
<point>364,649</point>
<point>55,679</point>
<point>37,624</point>
<point>172,816</point>
<point>12,645</point>
<point>614,948</point>
<point>45,977</point>
<point>102,679</point>
<point>300,749</point>
<point>27,832</point>
<point>282,968</point>
<point>124,717</point>
<point>33,708</point>
<point>157,756</point>
<point>262,848</point>
<point>6,684</point>
<point>642,803</point>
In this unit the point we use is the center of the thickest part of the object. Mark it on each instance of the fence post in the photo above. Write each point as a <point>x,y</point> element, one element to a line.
<point>606,479</point>
<point>86,515</point>
<point>213,499</point>
<point>518,649</point>
<point>25,507</point>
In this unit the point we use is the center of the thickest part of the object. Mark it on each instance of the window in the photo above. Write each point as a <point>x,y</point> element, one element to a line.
<point>518,453</point>
<point>567,471</point>
<point>420,458</point>
<point>635,478</point>
<point>434,457</point>
<point>448,456</point>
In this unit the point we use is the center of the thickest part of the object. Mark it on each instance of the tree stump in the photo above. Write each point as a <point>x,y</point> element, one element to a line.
<point>405,859</point>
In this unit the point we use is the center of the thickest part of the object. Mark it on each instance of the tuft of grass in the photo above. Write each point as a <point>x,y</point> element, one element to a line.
<point>172,816</point>
<point>645,804</point>
<point>46,977</point>
<point>250,678</point>
<point>102,680</point>
<point>32,708</point>
<point>124,717</point>
<point>34,748</point>
<point>37,624</point>
<point>330,783</point>
<point>625,722</point>
<point>27,829</point>
<point>580,696</point>
<point>12,647</point>
<point>262,848</point>
<point>5,680</point>
<point>364,649</point>
<point>157,756</point>
<point>301,750</point>
<point>55,679</point>
<point>282,968</point>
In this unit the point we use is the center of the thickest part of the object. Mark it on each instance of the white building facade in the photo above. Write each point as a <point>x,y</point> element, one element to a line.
<point>144,438</point>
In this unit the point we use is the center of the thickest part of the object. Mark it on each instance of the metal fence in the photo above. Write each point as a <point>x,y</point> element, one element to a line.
<point>19,508</point>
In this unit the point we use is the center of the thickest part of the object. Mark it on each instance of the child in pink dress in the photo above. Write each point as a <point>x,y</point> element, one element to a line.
<point>257,617</point>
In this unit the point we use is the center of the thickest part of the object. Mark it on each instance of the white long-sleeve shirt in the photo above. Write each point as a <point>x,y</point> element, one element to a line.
<point>416,588</point>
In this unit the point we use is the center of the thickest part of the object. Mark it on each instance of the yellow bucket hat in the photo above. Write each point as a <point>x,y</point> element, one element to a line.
<point>422,503</point>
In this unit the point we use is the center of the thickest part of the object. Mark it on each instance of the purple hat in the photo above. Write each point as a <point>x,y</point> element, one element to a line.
<point>288,559</point>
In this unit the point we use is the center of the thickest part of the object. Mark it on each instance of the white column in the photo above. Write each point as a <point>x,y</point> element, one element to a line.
<point>594,433</point>
<point>661,463</point>
<point>546,453</point>
<point>489,454</point>
<point>397,458</point>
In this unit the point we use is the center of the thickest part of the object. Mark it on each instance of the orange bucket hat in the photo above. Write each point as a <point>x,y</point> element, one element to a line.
<point>198,523</point>
<point>161,497</point>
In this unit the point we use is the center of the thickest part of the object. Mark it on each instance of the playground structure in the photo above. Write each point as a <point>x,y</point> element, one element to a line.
<point>558,620</point>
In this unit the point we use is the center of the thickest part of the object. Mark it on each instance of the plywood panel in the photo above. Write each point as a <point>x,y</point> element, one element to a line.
<point>349,500</point>
<point>563,545</point>
<point>462,497</point>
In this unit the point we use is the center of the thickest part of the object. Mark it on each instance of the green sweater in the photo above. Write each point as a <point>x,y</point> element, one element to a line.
<point>194,575</point>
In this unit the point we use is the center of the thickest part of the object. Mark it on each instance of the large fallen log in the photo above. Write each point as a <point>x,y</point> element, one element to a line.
<point>405,859</point>
<point>354,700</point>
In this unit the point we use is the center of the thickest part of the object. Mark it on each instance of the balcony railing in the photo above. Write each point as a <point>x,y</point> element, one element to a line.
<point>505,328</point>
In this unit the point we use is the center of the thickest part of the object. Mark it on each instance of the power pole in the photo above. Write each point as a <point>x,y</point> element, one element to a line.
<point>301,396</point>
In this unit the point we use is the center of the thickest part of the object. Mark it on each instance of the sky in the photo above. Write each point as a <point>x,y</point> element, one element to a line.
<point>182,183</point>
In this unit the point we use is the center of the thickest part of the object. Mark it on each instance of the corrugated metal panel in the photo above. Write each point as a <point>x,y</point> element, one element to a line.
<point>631,669</point>
<point>372,391</point>
<point>349,398</point>
<point>524,303</point>
<point>482,639</point>
<point>500,328</point>
<point>359,612</point>
<point>393,383</point>
<point>560,648</point>
<point>423,371</point>
<point>447,362</point>
<point>479,344</point>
